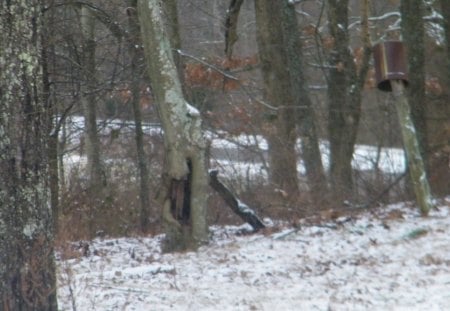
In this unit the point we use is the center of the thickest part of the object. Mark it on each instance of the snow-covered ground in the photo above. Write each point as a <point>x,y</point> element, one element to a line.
<point>386,259</point>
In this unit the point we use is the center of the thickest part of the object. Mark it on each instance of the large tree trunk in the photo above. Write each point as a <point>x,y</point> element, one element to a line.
<point>27,267</point>
<point>136,75</point>
<point>282,136</point>
<point>171,22</point>
<point>185,180</point>
<point>305,117</point>
<point>440,172</point>
<point>413,32</point>
<point>345,83</point>
<point>285,88</point>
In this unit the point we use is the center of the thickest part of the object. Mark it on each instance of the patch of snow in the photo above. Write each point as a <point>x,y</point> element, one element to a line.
<point>192,111</point>
<point>389,259</point>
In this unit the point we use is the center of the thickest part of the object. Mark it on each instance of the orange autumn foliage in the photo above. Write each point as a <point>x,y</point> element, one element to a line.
<point>201,75</point>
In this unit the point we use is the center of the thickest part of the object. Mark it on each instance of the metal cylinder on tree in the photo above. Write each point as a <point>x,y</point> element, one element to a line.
<point>390,64</point>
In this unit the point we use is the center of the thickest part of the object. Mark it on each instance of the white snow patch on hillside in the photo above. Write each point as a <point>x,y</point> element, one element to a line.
<point>372,262</point>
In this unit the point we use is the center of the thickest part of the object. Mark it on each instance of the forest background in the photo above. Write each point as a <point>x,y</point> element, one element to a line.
<point>222,71</point>
<point>85,80</point>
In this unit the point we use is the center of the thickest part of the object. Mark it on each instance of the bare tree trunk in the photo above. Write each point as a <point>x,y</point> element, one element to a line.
<point>345,83</point>
<point>88,67</point>
<point>416,166</point>
<point>95,173</point>
<point>52,130</point>
<point>137,65</point>
<point>27,266</point>
<point>171,22</point>
<point>185,180</point>
<point>282,137</point>
<point>231,23</point>
<point>413,32</point>
<point>285,88</point>
<point>440,166</point>
<point>445,7</point>
<point>306,120</point>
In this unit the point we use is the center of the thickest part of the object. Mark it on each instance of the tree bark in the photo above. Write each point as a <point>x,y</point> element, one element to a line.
<point>410,141</point>
<point>88,67</point>
<point>171,22</point>
<point>27,266</point>
<point>413,33</point>
<point>231,23</point>
<point>285,88</point>
<point>345,83</point>
<point>439,167</point>
<point>53,131</point>
<point>184,192</point>
<point>445,7</point>
<point>137,64</point>
<point>305,118</point>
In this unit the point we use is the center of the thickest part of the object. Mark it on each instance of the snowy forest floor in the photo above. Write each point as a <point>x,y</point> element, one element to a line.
<point>388,258</point>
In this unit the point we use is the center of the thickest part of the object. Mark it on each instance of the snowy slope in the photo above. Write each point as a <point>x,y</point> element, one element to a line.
<point>390,259</point>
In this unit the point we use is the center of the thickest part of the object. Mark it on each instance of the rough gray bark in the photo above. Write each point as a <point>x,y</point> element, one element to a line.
<point>345,83</point>
<point>184,190</point>
<point>27,266</point>
<point>306,120</point>
<point>171,22</point>
<point>413,33</point>
<point>282,137</point>
<point>285,88</point>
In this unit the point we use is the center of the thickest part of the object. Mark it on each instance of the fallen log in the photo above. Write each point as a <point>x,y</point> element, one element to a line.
<point>239,208</point>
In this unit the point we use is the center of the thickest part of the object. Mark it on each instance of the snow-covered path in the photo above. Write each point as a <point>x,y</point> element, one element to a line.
<point>389,260</point>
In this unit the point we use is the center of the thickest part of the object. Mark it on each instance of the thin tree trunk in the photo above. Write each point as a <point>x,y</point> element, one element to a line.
<point>137,65</point>
<point>96,178</point>
<point>92,142</point>
<point>445,7</point>
<point>231,23</point>
<point>52,131</point>
<point>185,180</point>
<point>27,266</point>
<point>416,166</point>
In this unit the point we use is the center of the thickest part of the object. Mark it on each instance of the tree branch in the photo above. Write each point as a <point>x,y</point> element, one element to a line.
<point>239,208</point>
